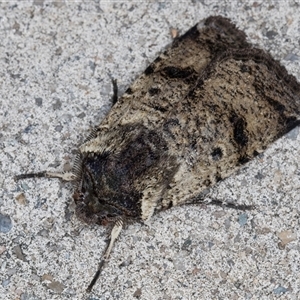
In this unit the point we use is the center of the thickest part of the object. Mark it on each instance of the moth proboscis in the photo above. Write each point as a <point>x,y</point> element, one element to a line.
<point>205,107</point>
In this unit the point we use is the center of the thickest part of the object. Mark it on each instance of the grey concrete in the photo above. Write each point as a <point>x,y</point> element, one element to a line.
<point>55,63</point>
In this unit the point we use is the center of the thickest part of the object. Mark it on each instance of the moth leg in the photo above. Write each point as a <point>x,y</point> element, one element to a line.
<point>68,176</point>
<point>231,205</point>
<point>114,98</point>
<point>113,236</point>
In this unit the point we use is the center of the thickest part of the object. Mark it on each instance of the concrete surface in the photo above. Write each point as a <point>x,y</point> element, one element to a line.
<point>56,59</point>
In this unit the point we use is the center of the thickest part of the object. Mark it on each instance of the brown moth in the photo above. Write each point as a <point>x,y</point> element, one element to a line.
<point>203,108</point>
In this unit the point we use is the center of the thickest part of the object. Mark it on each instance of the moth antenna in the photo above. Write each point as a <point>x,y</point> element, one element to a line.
<point>231,205</point>
<point>115,232</point>
<point>68,176</point>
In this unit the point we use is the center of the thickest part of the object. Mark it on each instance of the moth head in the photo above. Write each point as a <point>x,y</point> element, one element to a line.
<point>103,194</point>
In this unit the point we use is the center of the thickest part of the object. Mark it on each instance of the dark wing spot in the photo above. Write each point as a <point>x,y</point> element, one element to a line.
<point>129,91</point>
<point>217,153</point>
<point>159,108</point>
<point>218,177</point>
<point>193,34</point>
<point>170,204</point>
<point>149,70</point>
<point>245,69</point>
<point>243,160</point>
<point>291,122</point>
<point>158,59</point>
<point>276,105</point>
<point>239,129</point>
<point>239,133</point>
<point>174,72</point>
<point>154,91</point>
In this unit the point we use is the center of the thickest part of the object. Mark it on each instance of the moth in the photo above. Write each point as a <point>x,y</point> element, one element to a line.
<point>206,106</point>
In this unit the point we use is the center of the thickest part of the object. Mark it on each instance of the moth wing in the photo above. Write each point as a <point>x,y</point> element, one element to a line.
<point>243,101</point>
<point>167,80</point>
